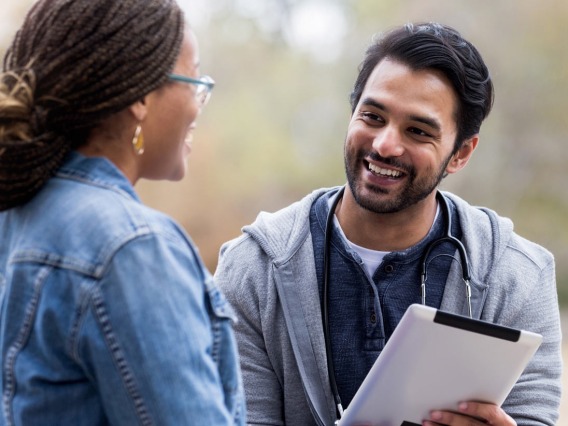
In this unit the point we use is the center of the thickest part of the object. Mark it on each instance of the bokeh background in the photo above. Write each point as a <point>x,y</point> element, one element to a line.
<point>275,126</point>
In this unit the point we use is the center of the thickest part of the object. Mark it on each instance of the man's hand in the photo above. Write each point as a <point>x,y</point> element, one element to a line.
<point>471,414</point>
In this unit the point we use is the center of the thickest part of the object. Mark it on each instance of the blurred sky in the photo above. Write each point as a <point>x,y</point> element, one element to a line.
<point>303,32</point>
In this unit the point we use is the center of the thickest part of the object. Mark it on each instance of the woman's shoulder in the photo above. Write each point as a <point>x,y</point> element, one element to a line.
<point>88,223</point>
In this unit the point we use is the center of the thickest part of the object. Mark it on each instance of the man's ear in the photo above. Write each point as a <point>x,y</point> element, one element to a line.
<point>462,156</point>
<point>139,109</point>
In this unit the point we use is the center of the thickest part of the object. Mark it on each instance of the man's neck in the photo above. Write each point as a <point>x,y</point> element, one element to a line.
<point>388,231</point>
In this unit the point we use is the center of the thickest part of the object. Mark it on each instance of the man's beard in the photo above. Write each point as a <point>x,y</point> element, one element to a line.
<point>414,191</point>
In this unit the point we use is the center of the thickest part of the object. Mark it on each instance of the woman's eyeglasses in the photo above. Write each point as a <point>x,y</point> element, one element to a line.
<point>203,85</point>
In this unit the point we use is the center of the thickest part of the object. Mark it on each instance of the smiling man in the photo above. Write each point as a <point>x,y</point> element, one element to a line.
<point>348,260</point>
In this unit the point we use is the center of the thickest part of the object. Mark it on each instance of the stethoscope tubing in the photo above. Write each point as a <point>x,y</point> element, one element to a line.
<point>448,237</point>
<point>325,308</point>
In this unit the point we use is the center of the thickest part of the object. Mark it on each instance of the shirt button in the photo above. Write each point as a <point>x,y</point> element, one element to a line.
<point>389,268</point>
<point>373,317</point>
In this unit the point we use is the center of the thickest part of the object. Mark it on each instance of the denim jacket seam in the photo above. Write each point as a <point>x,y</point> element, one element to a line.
<point>17,346</point>
<point>83,308</point>
<point>116,352</point>
<point>101,268</point>
<point>95,269</point>
<point>100,184</point>
<point>53,260</point>
<point>118,243</point>
<point>93,299</point>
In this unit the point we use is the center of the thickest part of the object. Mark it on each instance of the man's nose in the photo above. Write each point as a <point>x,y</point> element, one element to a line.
<point>388,142</point>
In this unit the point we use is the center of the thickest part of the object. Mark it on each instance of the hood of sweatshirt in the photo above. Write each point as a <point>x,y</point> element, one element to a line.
<point>485,234</point>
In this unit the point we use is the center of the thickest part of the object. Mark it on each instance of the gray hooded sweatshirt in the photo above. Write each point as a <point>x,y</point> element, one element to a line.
<point>269,276</point>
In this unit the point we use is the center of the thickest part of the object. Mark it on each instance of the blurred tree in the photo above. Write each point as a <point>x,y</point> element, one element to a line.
<point>274,129</point>
<point>282,112</point>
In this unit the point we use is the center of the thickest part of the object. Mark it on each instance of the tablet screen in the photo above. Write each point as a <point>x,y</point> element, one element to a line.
<point>434,360</point>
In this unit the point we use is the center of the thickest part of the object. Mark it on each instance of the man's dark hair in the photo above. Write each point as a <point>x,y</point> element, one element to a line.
<point>72,64</point>
<point>438,47</point>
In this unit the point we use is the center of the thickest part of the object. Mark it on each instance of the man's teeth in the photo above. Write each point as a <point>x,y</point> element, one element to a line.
<point>384,172</point>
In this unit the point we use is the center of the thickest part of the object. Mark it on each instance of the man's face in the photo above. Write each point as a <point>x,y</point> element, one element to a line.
<point>400,138</point>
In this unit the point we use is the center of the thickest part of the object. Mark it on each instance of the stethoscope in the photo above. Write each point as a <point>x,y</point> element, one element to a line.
<point>448,237</point>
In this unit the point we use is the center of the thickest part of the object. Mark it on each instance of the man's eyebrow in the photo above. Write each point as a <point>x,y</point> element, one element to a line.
<point>430,122</point>
<point>371,102</point>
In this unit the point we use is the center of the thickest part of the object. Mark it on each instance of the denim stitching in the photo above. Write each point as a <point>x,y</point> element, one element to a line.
<point>17,346</point>
<point>216,332</point>
<point>117,354</point>
<point>78,319</point>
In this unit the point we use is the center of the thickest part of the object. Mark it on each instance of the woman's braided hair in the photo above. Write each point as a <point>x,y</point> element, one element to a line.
<point>72,64</point>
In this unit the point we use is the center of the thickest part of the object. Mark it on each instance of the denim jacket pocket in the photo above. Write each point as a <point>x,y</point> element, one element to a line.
<point>224,349</point>
<point>218,303</point>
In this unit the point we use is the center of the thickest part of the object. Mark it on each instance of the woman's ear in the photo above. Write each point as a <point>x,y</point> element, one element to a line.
<point>139,109</point>
<point>462,156</point>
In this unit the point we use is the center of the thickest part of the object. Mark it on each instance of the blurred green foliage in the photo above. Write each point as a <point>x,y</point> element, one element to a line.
<point>274,128</point>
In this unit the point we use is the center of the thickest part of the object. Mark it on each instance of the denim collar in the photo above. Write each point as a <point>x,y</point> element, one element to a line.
<point>98,171</point>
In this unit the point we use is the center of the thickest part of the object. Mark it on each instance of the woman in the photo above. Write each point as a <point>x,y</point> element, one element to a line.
<point>108,315</point>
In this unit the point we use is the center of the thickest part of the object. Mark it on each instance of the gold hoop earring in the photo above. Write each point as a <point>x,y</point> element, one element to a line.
<point>138,141</point>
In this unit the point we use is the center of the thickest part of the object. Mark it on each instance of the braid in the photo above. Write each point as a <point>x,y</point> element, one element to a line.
<point>17,185</point>
<point>72,64</point>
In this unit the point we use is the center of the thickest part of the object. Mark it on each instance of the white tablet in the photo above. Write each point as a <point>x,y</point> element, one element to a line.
<point>434,360</point>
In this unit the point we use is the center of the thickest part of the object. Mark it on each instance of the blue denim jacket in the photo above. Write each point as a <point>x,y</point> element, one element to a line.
<point>108,315</point>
